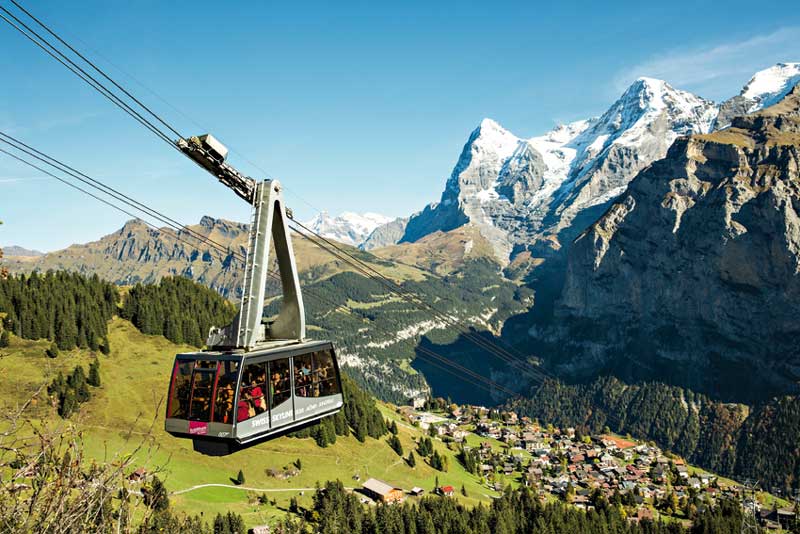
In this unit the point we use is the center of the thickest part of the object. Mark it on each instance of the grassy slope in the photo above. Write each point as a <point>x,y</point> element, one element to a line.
<point>134,381</point>
<point>119,415</point>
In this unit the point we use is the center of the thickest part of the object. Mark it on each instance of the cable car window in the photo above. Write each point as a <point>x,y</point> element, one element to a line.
<point>203,376</point>
<point>181,389</point>
<point>304,379</point>
<point>252,399</point>
<point>280,381</point>
<point>226,390</point>
<point>325,374</point>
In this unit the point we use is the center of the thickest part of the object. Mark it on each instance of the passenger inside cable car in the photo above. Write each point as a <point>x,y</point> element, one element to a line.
<point>205,392</point>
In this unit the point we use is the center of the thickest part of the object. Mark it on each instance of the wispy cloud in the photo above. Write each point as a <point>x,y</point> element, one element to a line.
<point>9,126</point>
<point>717,70</point>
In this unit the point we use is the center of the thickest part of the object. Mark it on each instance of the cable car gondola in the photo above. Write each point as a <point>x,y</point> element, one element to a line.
<point>223,400</point>
<point>256,381</point>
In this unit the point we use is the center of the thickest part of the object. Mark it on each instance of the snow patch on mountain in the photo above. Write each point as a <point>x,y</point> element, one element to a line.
<point>769,86</point>
<point>348,228</point>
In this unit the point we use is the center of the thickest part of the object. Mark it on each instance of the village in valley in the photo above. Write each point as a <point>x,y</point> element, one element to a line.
<point>586,471</point>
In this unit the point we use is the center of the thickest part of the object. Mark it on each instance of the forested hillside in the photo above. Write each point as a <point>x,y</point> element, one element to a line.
<point>374,328</point>
<point>178,309</point>
<point>732,439</point>
<point>70,309</point>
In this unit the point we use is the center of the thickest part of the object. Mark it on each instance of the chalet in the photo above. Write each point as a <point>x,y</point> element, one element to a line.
<point>139,475</point>
<point>786,517</point>
<point>459,435</point>
<point>683,471</point>
<point>407,412</point>
<point>447,491</point>
<point>657,474</point>
<point>416,491</point>
<point>261,529</point>
<point>381,491</point>
<point>510,418</point>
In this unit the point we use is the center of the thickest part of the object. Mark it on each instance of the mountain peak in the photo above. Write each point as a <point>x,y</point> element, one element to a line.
<point>207,221</point>
<point>132,225</point>
<point>490,124</point>
<point>348,227</point>
<point>770,85</point>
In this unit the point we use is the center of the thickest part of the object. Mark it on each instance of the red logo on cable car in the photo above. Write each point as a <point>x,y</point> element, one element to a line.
<point>198,427</point>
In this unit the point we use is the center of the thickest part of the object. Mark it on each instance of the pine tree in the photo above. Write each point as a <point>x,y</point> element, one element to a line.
<point>52,351</point>
<point>5,339</point>
<point>94,373</point>
<point>105,347</point>
<point>240,478</point>
<point>155,495</point>
<point>412,461</point>
<point>393,428</point>
<point>463,490</point>
<point>394,443</point>
<point>67,404</point>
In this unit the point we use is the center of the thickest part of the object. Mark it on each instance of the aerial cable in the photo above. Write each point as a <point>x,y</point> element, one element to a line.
<point>82,74</point>
<point>95,67</point>
<point>480,342</point>
<point>70,184</point>
<point>465,330</point>
<point>98,86</point>
<point>389,281</point>
<point>63,167</point>
<point>477,340</point>
<point>471,376</point>
<point>396,286</point>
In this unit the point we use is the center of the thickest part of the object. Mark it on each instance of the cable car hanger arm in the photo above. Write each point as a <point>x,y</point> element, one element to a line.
<point>269,224</point>
<point>210,154</point>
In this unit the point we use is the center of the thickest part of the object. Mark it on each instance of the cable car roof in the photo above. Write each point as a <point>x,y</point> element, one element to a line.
<point>273,348</point>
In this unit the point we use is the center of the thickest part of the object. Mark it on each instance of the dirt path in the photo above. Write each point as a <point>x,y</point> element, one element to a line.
<point>245,488</point>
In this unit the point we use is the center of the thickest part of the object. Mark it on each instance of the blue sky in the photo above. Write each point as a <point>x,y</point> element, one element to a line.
<point>353,106</point>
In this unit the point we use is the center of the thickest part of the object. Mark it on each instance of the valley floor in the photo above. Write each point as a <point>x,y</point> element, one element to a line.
<point>126,412</point>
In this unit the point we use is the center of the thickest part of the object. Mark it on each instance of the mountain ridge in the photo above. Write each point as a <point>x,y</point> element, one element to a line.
<point>535,195</point>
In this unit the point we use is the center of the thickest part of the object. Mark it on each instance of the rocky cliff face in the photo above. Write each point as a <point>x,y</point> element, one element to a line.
<point>385,234</point>
<point>694,272</point>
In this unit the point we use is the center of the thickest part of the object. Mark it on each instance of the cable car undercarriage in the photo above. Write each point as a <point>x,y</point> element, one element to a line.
<point>257,380</point>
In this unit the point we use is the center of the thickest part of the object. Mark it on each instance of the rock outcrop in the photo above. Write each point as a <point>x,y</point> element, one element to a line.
<point>693,274</point>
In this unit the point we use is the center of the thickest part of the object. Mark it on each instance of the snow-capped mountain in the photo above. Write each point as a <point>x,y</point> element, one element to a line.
<point>764,89</point>
<point>519,191</point>
<point>349,228</point>
<point>537,194</point>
